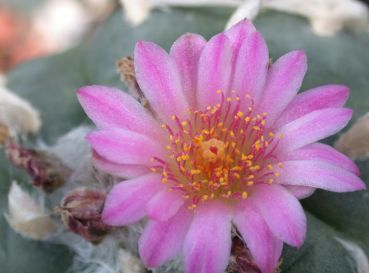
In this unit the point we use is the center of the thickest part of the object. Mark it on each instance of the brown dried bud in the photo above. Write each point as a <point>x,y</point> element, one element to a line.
<point>355,142</point>
<point>241,260</point>
<point>126,69</point>
<point>4,134</point>
<point>46,171</point>
<point>81,213</point>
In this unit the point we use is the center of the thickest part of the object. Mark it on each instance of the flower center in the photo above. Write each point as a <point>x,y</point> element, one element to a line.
<point>219,152</point>
<point>210,153</point>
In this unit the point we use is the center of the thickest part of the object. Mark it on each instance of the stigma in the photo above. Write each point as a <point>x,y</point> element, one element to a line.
<point>219,152</point>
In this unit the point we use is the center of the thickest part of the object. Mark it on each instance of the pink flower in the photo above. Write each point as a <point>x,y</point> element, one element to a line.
<point>227,142</point>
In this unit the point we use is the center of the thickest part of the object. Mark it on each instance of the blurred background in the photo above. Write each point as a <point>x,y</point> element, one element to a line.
<point>34,28</point>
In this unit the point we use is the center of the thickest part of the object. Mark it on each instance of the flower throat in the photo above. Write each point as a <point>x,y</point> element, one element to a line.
<point>219,153</point>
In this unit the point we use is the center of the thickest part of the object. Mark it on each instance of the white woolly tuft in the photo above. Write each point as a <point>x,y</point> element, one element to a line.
<point>117,253</point>
<point>357,254</point>
<point>173,266</point>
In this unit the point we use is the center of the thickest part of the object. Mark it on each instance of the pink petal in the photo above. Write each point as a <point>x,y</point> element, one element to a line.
<point>264,246</point>
<point>318,174</point>
<point>110,107</point>
<point>238,33</point>
<point>119,170</point>
<point>282,212</point>
<point>251,67</point>
<point>186,53</point>
<point>215,68</point>
<point>328,96</point>
<point>207,246</point>
<point>164,205</point>
<point>300,192</point>
<point>126,202</point>
<point>125,147</point>
<point>313,127</point>
<point>163,240</point>
<point>283,81</point>
<point>322,152</point>
<point>159,79</point>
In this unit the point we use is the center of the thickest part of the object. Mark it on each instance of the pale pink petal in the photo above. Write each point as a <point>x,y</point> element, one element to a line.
<point>119,170</point>
<point>164,205</point>
<point>282,212</point>
<point>125,147</point>
<point>159,80</point>
<point>110,107</point>
<point>126,202</point>
<point>328,96</point>
<point>318,174</point>
<point>313,127</point>
<point>264,246</point>
<point>300,192</point>
<point>283,81</point>
<point>163,240</point>
<point>186,52</point>
<point>207,246</point>
<point>238,33</point>
<point>215,68</point>
<point>251,67</point>
<point>322,152</point>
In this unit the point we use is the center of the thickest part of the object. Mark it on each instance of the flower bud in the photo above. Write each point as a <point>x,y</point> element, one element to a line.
<point>241,260</point>
<point>81,213</point>
<point>4,134</point>
<point>46,170</point>
<point>26,216</point>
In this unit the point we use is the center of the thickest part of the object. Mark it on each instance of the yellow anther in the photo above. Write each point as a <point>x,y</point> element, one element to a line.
<point>256,128</point>
<point>244,195</point>
<point>195,172</point>
<point>270,167</point>
<point>237,175</point>
<point>270,180</point>
<point>184,123</point>
<point>168,147</point>
<point>276,174</point>
<point>219,91</point>
<point>271,134</point>
<point>240,114</point>
<point>193,206</point>
<point>164,180</point>
<point>250,183</point>
<point>280,165</point>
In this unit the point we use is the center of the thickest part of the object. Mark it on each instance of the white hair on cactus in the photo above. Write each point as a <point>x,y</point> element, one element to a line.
<point>26,216</point>
<point>117,253</point>
<point>327,17</point>
<point>16,113</point>
<point>357,254</point>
